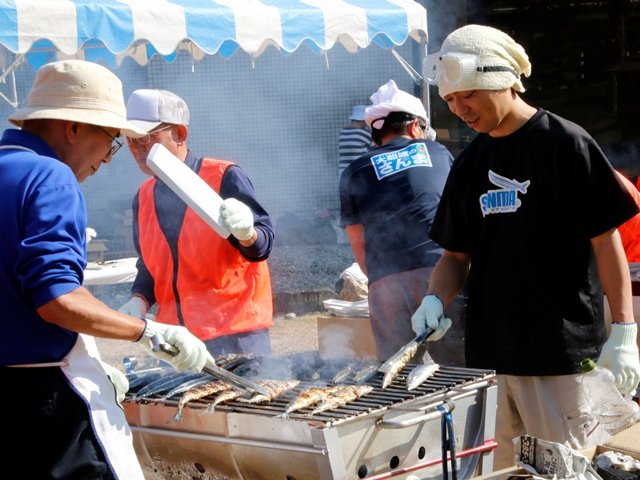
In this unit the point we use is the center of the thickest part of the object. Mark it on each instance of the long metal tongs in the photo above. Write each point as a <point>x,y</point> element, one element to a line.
<point>230,378</point>
<point>396,363</point>
<point>412,345</point>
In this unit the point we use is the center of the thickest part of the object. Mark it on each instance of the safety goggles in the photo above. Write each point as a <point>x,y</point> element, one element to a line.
<point>455,67</point>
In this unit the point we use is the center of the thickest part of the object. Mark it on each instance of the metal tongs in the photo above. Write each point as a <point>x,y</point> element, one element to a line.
<point>396,363</point>
<point>230,378</point>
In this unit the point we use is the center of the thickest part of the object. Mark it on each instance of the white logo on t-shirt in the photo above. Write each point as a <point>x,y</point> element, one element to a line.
<point>504,200</point>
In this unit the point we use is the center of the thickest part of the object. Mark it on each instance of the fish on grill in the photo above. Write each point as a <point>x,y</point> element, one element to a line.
<point>230,361</point>
<point>165,383</point>
<point>308,397</point>
<point>344,395</point>
<point>328,370</point>
<point>366,373</point>
<point>398,366</point>
<point>139,379</point>
<point>275,388</point>
<point>422,372</point>
<point>347,372</point>
<point>396,363</point>
<point>196,393</point>
<point>225,396</point>
<point>183,387</point>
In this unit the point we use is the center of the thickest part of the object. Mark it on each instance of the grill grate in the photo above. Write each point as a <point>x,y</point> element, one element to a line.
<point>396,395</point>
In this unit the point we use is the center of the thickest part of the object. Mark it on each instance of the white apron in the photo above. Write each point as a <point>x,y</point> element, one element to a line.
<point>86,374</point>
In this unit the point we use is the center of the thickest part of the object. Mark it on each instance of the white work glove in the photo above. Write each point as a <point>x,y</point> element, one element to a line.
<point>430,314</point>
<point>192,353</point>
<point>118,379</point>
<point>135,307</point>
<point>238,218</point>
<point>620,355</point>
<point>91,234</point>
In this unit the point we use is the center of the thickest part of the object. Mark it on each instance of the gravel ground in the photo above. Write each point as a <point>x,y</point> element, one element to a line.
<point>297,271</point>
<point>299,268</point>
<point>308,267</point>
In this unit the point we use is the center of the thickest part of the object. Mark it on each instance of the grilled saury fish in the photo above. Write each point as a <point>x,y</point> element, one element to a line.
<point>275,389</point>
<point>197,392</point>
<point>394,365</point>
<point>398,365</point>
<point>420,374</point>
<point>344,395</point>
<point>308,397</point>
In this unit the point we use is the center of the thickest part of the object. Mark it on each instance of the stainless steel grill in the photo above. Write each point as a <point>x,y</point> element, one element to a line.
<point>390,433</point>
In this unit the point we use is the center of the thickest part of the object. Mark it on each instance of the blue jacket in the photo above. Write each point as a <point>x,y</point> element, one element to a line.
<point>42,246</point>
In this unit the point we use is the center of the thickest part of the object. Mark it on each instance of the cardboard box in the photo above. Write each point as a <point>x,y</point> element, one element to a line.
<point>626,442</point>
<point>345,337</point>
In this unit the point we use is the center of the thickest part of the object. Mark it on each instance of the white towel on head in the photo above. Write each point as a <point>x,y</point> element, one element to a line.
<point>389,99</point>
<point>493,48</point>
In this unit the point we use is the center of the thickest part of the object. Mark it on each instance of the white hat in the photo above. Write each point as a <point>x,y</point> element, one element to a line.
<point>149,108</point>
<point>493,48</point>
<point>389,99</point>
<point>77,91</point>
<point>358,113</point>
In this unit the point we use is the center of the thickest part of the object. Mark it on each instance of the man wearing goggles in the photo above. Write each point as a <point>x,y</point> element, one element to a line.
<point>388,198</point>
<point>528,221</point>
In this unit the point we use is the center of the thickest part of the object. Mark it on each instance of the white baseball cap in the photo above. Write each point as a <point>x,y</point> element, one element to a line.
<point>148,108</point>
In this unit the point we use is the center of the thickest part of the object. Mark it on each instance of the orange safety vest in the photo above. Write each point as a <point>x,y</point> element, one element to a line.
<point>217,291</point>
<point>630,230</point>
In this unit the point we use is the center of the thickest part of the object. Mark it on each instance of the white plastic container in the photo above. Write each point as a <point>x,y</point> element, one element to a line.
<point>611,408</point>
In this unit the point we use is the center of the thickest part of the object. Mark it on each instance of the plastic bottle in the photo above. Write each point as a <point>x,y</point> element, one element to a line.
<point>611,408</point>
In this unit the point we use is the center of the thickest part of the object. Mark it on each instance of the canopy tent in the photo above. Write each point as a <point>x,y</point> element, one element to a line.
<point>40,31</point>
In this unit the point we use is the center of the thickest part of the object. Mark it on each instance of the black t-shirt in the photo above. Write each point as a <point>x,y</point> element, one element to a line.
<point>525,207</point>
<point>394,191</point>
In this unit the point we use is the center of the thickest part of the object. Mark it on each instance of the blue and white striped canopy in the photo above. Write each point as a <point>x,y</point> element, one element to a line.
<point>49,30</point>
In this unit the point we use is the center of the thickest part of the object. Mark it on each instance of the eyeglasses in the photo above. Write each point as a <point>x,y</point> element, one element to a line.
<point>117,144</point>
<point>147,138</point>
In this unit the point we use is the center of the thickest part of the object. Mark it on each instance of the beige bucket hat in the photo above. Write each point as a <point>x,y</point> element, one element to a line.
<point>77,91</point>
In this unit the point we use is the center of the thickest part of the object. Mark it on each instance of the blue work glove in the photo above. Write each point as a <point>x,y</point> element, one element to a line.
<point>430,314</point>
<point>118,379</point>
<point>620,355</point>
<point>192,353</point>
<point>238,218</point>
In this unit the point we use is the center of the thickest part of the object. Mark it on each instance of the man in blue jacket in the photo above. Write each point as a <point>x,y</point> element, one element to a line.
<point>72,124</point>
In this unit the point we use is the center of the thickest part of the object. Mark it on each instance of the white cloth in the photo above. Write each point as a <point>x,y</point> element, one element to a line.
<point>355,272</point>
<point>389,99</point>
<point>123,270</point>
<point>85,371</point>
<point>91,234</point>
<point>493,48</point>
